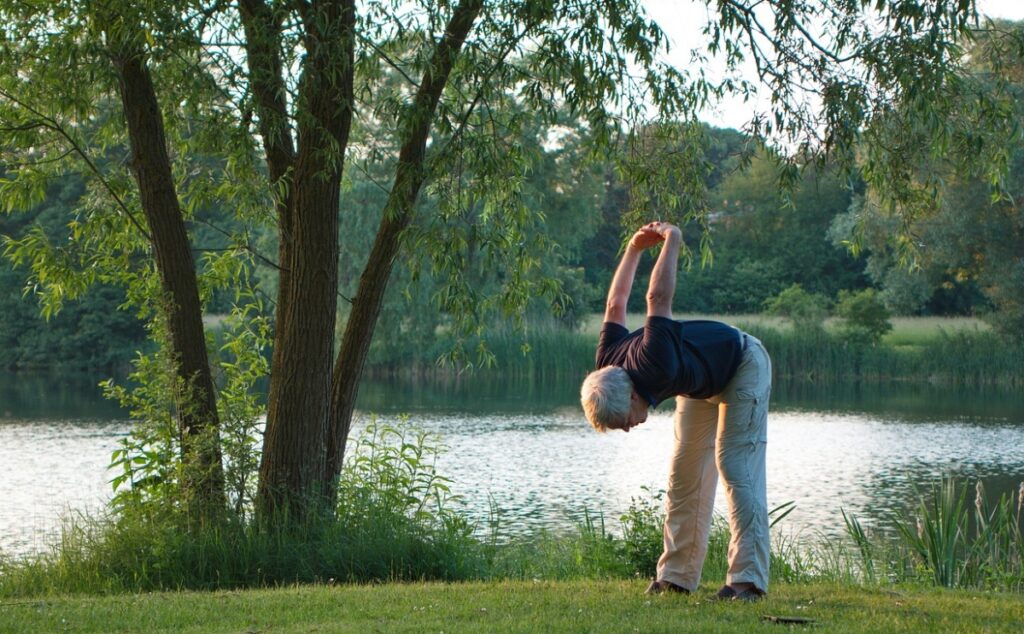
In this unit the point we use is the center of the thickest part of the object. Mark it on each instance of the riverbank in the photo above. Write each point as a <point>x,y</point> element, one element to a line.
<point>516,606</point>
<point>961,352</point>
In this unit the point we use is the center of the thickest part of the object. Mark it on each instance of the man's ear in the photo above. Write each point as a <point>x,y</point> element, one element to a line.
<point>633,395</point>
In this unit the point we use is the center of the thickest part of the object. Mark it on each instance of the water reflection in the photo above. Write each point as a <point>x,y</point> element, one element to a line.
<point>524,448</point>
<point>54,397</point>
<point>544,471</point>
<point>50,470</point>
<point>902,401</point>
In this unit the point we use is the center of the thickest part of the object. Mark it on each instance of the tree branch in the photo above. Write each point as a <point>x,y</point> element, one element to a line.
<point>54,125</point>
<point>390,62</point>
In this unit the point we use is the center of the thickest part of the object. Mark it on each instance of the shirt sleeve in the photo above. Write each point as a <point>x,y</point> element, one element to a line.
<point>659,354</point>
<point>611,334</point>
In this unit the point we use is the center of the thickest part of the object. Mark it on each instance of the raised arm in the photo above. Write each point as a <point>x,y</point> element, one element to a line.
<point>663,277</point>
<point>622,281</point>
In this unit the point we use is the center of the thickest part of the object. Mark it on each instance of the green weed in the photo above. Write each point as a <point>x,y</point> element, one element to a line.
<point>947,541</point>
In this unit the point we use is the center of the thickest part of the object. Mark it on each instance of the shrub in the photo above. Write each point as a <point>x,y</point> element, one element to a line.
<point>642,532</point>
<point>806,310</point>
<point>863,317</point>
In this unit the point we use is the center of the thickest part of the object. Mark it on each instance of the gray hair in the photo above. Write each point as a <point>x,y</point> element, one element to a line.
<point>605,397</point>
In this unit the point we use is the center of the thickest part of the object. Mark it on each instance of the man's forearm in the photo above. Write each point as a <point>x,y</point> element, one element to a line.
<point>622,284</point>
<point>662,288</point>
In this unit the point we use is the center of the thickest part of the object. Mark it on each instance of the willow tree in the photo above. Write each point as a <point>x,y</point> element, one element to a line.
<point>273,90</point>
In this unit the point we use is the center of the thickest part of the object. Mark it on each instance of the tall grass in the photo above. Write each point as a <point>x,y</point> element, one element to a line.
<point>957,356</point>
<point>396,521</point>
<point>551,351</point>
<point>630,546</point>
<point>118,555</point>
<point>132,555</point>
<point>949,542</point>
<point>543,350</point>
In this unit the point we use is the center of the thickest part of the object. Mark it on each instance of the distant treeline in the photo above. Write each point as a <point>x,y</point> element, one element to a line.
<point>96,331</point>
<point>764,241</point>
<point>91,333</point>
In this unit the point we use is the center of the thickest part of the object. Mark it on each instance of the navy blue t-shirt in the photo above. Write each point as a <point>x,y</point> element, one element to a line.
<point>668,358</point>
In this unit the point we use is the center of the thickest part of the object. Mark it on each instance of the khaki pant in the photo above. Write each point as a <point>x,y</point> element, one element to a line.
<point>725,436</point>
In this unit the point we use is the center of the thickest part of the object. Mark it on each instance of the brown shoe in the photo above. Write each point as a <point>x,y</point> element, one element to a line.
<point>727,593</point>
<point>660,586</point>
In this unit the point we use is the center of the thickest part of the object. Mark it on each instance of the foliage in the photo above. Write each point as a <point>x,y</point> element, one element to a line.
<point>392,475</point>
<point>957,552</point>
<point>807,311</point>
<point>964,255</point>
<point>261,107</point>
<point>559,182</point>
<point>396,521</point>
<point>399,511</point>
<point>950,542</point>
<point>146,468</point>
<point>767,238</point>
<point>96,331</point>
<point>396,537</point>
<point>243,365</point>
<point>864,319</point>
<point>642,533</point>
<point>594,551</point>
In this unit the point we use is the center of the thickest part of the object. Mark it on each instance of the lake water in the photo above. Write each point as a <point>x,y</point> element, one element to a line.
<point>527,451</point>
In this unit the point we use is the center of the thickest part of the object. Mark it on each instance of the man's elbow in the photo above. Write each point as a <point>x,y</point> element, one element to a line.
<point>658,298</point>
<point>659,303</point>
<point>615,307</point>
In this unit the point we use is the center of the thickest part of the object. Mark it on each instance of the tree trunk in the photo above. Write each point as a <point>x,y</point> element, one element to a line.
<point>398,213</point>
<point>262,41</point>
<point>203,479</point>
<point>292,465</point>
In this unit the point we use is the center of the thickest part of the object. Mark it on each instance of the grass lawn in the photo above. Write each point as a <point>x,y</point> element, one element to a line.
<point>571,606</point>
<point>908,331</point>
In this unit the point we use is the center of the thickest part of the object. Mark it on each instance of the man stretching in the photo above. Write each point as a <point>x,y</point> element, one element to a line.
<point>721,378</point>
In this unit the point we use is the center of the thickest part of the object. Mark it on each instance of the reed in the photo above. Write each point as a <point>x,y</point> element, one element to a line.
<point>957,356</point>
<point>864,547</point>
<point>540,352</point>
<point>960,358</point>
<point>947,541</point>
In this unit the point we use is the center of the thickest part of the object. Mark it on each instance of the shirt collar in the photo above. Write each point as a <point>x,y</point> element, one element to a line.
<point>647,397</point>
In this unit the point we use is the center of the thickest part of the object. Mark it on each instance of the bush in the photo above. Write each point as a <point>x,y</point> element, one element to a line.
<point>642,533</point>
<point>806,310</point>
<point>863,317</point>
